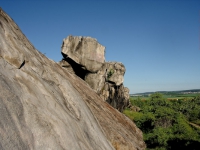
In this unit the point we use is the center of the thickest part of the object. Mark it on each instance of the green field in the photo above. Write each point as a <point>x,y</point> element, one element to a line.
<point>168,96</point>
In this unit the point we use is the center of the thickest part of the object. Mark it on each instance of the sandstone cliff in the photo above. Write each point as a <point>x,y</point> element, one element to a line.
<point>43,106</point>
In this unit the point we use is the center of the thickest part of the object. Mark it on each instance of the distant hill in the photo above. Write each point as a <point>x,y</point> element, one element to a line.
<point>170,92</point>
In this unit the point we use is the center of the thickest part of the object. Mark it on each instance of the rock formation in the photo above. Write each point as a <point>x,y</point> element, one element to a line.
<point>44,106</point>
<point>84,56</point>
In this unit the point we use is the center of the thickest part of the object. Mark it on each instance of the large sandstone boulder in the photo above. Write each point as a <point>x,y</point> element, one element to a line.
<point>85,51</point>
<point>105,78</point>
<point>44,106</point>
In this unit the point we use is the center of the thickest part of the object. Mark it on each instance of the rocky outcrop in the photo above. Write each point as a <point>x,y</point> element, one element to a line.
<point>84,56</point>
<point>44,106</point>
<point>108,83</point>
<point>84,51</point>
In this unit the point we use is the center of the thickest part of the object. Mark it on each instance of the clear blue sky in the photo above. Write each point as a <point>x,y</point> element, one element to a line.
<point>156,40</point>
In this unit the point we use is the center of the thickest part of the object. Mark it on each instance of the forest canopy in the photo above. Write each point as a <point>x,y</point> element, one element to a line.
<point>167,124</point>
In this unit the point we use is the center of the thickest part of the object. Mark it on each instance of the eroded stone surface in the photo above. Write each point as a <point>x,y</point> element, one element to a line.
<point>85,51</point>
<point>108,83</point>
<point>44,106</point>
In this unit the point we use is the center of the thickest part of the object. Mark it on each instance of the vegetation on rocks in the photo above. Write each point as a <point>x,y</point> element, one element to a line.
<point>110,73</point>
<point>167,124</point>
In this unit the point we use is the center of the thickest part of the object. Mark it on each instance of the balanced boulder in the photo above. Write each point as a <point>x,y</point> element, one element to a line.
<point>85,51</point>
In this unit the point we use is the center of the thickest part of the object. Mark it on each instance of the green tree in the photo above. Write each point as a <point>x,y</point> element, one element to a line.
<point>167,124</point>
<point>156,96</point>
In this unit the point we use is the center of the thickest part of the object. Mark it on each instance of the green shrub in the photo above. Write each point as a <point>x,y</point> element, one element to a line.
<point>166,124</point>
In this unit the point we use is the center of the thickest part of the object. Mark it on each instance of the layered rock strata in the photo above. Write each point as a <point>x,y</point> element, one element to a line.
<point>84,56</point>
<point>44,106</point>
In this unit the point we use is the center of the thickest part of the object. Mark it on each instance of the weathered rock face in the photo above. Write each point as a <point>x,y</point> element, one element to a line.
<point>108,83</point>
<point>112,72</point>
<point>44,106</point>
<point>106,78</point>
